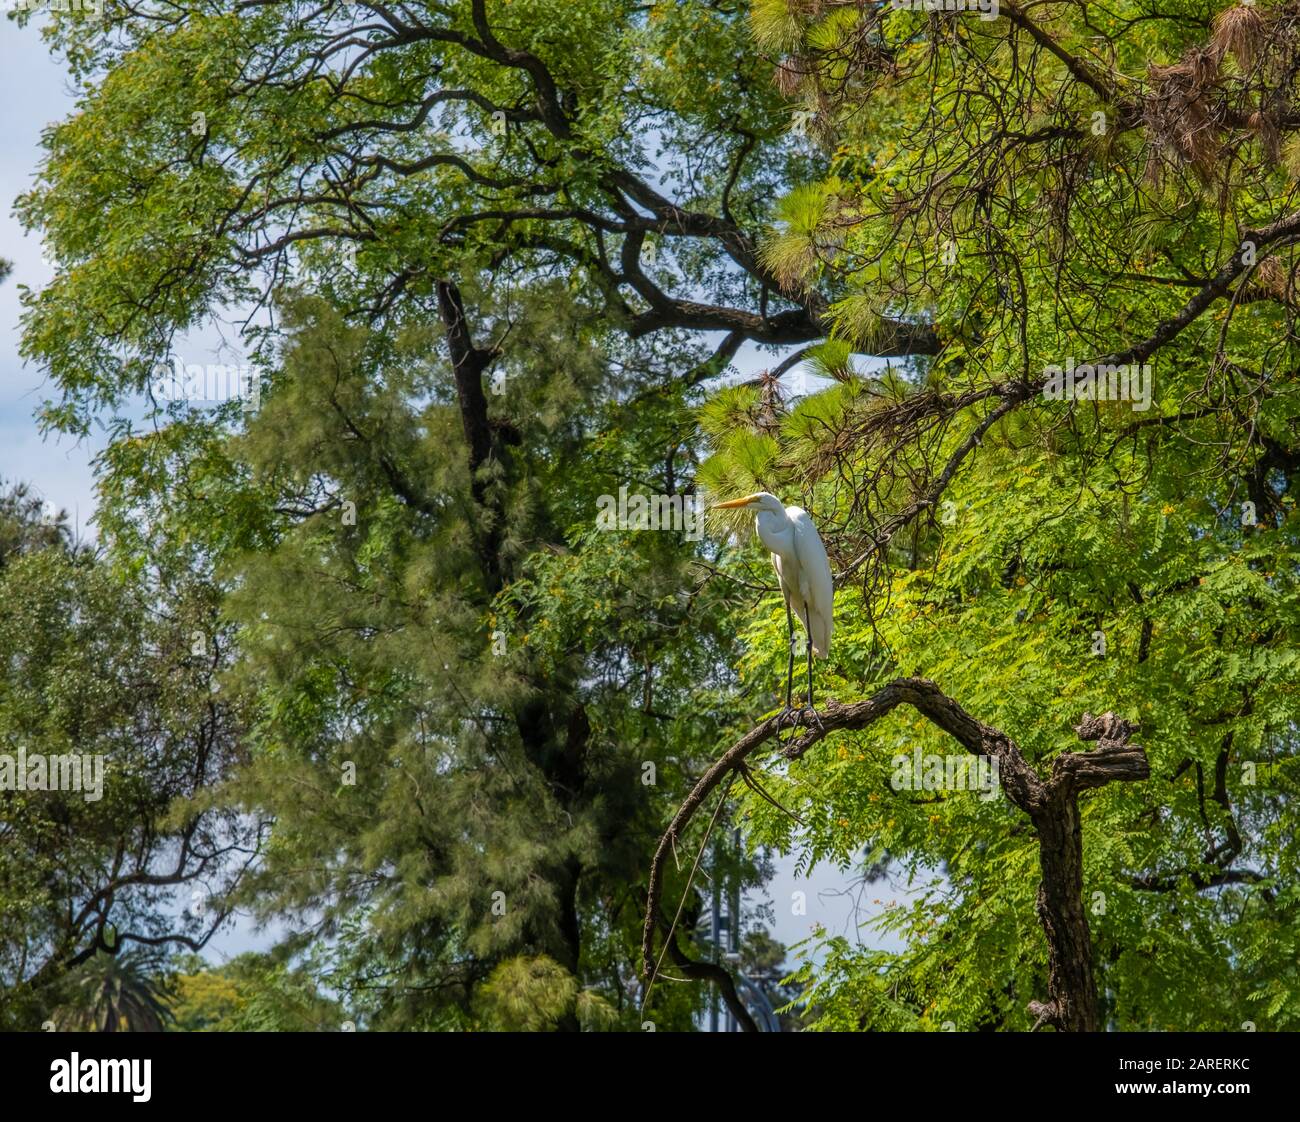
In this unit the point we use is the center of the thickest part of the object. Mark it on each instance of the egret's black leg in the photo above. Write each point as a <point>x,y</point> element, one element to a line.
<point>808,641</point>
<point>789,670</point>
<point>811,708</point>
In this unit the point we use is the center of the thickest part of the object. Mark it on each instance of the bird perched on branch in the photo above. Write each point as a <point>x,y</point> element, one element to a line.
<point>802,570</point>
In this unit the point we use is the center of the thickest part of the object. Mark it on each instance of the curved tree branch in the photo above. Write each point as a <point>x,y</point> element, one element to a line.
<point>1051,804</point>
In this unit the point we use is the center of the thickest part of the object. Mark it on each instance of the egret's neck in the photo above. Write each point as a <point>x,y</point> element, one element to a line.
<point>775,532</point>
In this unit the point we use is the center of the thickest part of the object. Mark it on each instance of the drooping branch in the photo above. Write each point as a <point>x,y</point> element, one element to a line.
<point>709,972</point>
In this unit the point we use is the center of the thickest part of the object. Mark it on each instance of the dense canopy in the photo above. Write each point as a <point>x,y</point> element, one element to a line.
<point>1025,292</point>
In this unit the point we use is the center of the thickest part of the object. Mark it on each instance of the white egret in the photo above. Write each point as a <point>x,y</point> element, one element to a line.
<point>802,571</point>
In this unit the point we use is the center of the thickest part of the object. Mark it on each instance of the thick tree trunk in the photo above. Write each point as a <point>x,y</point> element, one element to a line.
<point>569,952</point>
<point>468,364</point>
<point>554,740</point>
<point>1071,988</point>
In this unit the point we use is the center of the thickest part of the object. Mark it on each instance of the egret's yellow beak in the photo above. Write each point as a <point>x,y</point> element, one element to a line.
<point>735,503</point>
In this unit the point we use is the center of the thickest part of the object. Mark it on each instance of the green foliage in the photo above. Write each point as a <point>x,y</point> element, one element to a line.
<point>411,733</point>
<point>461,710</point>
<point>100,664</point>
<point>1088,557</point>
<point>251,993</point>
<point>534,994</point>
<point>125,992</point>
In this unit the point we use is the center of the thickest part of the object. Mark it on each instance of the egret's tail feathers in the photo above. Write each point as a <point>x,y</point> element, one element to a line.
<point>819,634</point>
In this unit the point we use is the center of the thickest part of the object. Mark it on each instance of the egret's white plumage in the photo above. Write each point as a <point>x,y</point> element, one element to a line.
<point>808,589</point>
<point>800,561</point>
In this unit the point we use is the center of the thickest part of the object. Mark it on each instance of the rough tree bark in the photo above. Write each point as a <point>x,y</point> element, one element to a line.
<point>1051,804</point>
<point>468,364</point>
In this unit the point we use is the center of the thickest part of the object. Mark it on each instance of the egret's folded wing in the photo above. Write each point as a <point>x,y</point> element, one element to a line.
<point>815,575</point>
